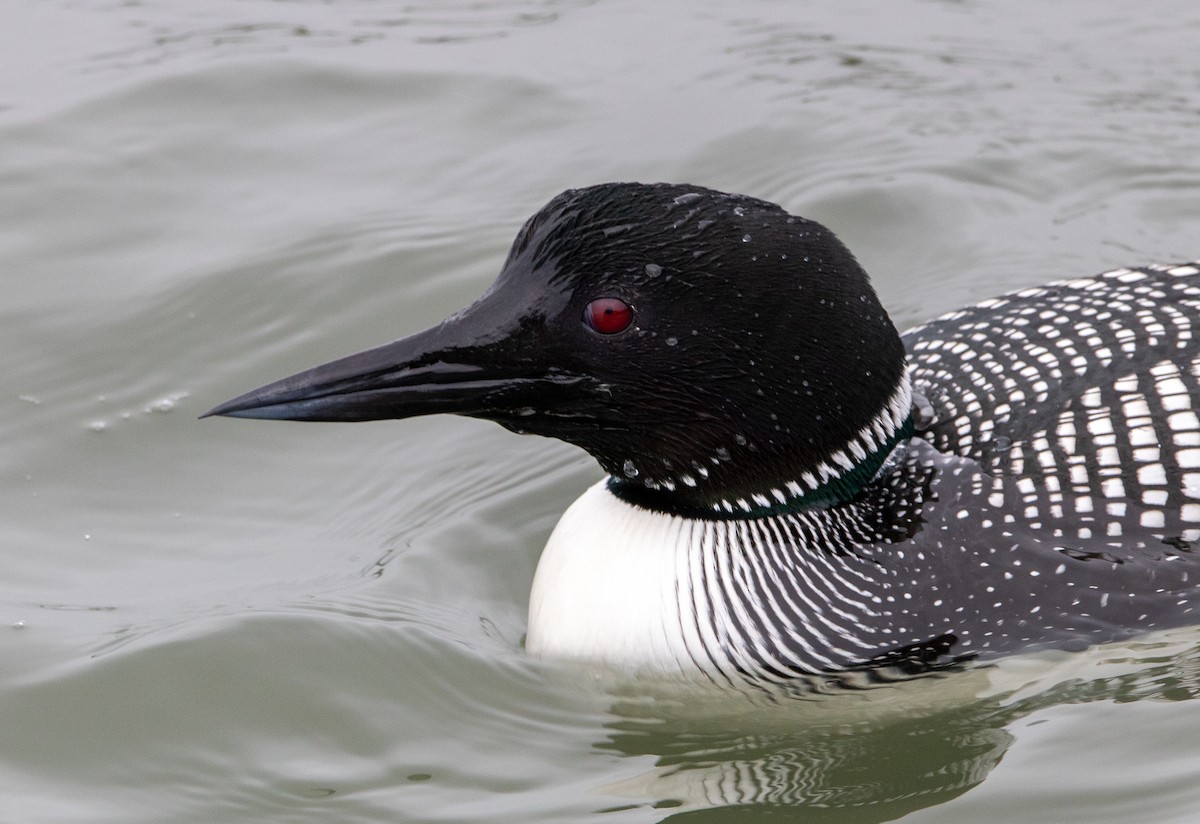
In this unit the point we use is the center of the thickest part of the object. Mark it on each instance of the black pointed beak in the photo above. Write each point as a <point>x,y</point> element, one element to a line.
<point>500,375</point>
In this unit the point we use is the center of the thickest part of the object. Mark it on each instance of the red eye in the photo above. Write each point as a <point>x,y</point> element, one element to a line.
<point>608,316</point>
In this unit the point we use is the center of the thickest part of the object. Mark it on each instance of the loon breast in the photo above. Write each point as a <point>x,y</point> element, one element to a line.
<point>669,595</point>
<point>608,586</point>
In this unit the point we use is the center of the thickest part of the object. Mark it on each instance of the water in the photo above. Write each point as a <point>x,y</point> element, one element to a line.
<point>229,621</point>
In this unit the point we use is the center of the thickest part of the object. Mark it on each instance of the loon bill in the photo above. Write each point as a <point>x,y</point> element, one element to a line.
<point>794,487</point>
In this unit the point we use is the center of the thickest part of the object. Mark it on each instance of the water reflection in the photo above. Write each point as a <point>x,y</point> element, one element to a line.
<point>868,753</point>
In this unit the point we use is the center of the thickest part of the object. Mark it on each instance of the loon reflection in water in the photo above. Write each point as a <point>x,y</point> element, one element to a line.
<point>794,487</point>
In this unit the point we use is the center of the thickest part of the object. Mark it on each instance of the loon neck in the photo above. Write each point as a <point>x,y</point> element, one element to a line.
<point>838,478</point>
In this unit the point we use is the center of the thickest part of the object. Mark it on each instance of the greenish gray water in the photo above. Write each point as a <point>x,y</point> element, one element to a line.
<point>230,621</point>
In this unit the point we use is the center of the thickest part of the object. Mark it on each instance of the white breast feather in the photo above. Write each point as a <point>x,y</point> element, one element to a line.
<point>610,585</point>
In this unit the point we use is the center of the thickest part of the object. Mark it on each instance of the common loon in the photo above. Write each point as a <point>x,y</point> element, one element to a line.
<point>794,487</point>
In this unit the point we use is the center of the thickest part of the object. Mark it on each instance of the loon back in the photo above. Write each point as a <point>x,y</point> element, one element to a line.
<point>792,486</point>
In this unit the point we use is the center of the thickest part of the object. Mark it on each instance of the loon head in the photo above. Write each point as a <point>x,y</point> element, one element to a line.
<point>714,353</point>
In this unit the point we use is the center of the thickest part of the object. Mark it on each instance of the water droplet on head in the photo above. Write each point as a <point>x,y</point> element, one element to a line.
<point>629,469</point>
<point>653,270</point>
<point>740,440</point>
<point>745,238</point>
<point>722,453</point>
<point>672,341</point>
